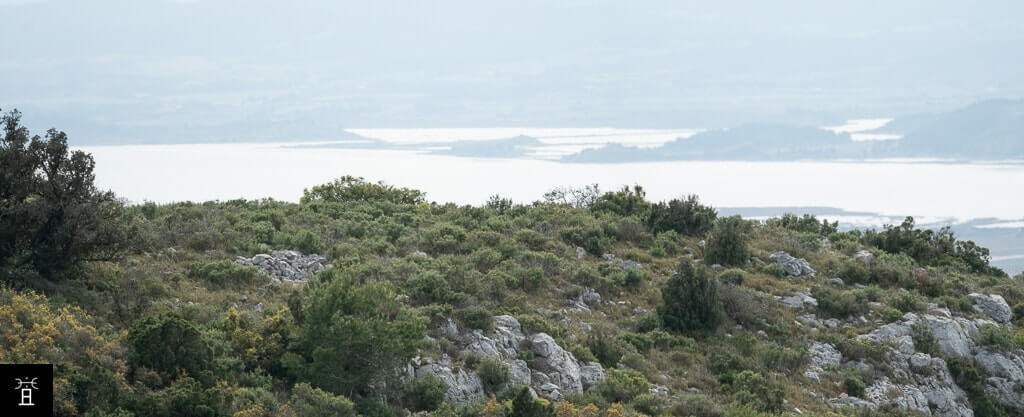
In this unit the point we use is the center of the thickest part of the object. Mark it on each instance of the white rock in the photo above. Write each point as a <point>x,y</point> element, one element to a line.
<point>799,300</point>
<point>793,266</point>
<point>462,385</point>
<point>864,255</point>
<point>993,306</point>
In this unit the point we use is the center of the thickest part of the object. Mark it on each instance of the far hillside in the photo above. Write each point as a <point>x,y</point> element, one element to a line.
<point>988,130</point>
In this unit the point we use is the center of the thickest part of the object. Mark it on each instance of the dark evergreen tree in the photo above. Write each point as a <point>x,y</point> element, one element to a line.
<point>690,300</point>
<point>727,244</point>
<point>52,217</point>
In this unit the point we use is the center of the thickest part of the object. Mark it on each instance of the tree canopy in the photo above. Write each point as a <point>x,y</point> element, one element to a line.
<point>52,216</point>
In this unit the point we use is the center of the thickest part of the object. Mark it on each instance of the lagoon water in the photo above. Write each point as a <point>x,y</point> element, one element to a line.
<point>165,173</point>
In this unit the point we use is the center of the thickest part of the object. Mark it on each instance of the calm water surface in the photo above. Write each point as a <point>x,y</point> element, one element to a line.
<point>165,173</point>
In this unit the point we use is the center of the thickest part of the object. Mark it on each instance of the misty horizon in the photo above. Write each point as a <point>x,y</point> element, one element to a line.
<point>225,70</point>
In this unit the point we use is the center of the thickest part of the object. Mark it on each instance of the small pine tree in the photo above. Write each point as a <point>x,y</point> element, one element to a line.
<point>690,300</point>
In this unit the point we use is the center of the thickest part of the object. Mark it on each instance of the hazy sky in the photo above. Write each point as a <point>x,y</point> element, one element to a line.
<point>137,70</point>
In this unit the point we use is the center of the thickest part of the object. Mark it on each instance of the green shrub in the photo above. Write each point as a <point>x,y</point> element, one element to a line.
<point>665,244</point>
<point>854,272</point>
<point>353,189</point>
<point>532,239</point>
<point>752,389</point>
<point>167,343</point>
<point>227,273</point>
<point>924,340</point>
<point>732,276</point>
<point>907,302</point>
<point>471,360</point>
<point>592,238</point>
<point>426,393</point>
<point>477,317</point>
<point>649,404</point>
<point>727,243</point>
<point>633,278</point>
<point>784,359</point>
<point>428,287</point>
<point>304,241</point>
<point>697,405</point>
<point>493,372</point>
<point>607,349</point>
<point>806,224</point>
<point>314,402</point>
<point>774,269</point>
<point>625,202</point>
<point>622,385</point>
<point>690,300</point>
<point>443,238</point>
<point>532,279</point>
<point>745,307</point>
<point>486,258</point>
<point>533,323</point>
<point>687,216</point>
<point>524,405</point>
<point>853,384</point>
<point>996,336</point>
<point>931,247</point>
<point>641,342</point>
<point>582,353</point>
<point>841,304</point>
<point>742,410</point>
<point>890,314</point>
<point>351,333</point>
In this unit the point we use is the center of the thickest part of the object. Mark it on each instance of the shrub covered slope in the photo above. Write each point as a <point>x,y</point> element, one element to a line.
<point>595,304</point>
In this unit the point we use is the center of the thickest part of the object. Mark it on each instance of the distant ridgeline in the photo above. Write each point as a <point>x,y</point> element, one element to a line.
<point>989,130</point>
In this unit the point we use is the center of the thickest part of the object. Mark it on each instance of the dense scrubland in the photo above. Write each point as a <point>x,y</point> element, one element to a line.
<point>144,310</point>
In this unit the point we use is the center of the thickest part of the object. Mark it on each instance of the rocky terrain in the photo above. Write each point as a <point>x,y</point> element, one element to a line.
<point>285,265</point>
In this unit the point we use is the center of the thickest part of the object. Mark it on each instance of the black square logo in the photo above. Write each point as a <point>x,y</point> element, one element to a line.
<point>26,390</point>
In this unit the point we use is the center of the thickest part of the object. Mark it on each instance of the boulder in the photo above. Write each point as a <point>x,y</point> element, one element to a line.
<point>553,373</point>
<point>462,385</point>
<point>822,356</point>
<point>954,336</point>
<point>1005,370</point>
<point>504,344</point>
<point>993,306</point>
<point>590,374</point>
<point>560,366</point>
<point>590,296</point>
<point>799,300</point>
<point>908,397</point>
<point>925,384</point>
<point>864,255</point>
<point>519,372</point>
<point>583,302</point>
<point>286,265</point>
<point>793,266</point>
